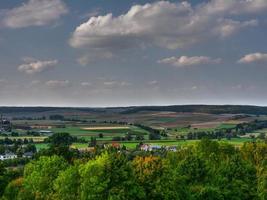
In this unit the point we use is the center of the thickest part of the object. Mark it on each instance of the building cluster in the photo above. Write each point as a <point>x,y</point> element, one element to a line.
<point>150,147</point>
<point>7,156</point>
<point>5,125</point>
<point>10,155</point>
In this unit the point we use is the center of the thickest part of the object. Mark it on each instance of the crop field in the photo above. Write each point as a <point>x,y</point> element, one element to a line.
<point>107,125</point>
<point>101,128</point>
<point>108,132</point>
<point>34,138</point>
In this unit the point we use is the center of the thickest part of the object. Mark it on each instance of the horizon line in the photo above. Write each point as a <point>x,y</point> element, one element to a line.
<point>126,106</point>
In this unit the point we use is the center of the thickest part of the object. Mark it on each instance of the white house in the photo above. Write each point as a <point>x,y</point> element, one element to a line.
<point>148,147</point>
<point>8,156</point>
<point>45,132</point>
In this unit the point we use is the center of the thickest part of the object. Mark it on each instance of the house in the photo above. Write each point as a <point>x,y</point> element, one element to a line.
<point>155,147</point>
<point>5,125</point>
<point>8,156</point>
<point>86,149</point>
<point>145,147</point>
<point>27,155</point>
<point>171,148</point>
<point>115,145</point>
<point>41,127</point>
<point>45,132</point>
<point>148,147</point>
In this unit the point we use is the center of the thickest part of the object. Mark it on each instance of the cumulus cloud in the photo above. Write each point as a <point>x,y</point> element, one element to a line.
<point>57,83</point>
<point>184,61</point>
<point>234,7</point>
<point>258,58</point>
<point>229,27</point>
<point>35,13</point>
<point>32,66</point>
<point>165,24</point>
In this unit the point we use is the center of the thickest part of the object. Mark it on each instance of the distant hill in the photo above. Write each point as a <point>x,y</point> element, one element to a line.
<point>211,109</point>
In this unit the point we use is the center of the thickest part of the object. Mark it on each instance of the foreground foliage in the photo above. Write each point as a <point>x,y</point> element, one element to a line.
<point>206,171</point>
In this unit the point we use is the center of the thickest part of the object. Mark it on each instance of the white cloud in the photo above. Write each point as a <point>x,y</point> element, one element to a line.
<point>86,84</point>
<point>116,83</point>
<point>229,27</point>
<point>234,7</point>
<point>33,66</point>
<point>184,61</point>
<point>35,13</point>
<point>58,83</point>
<point>254,58</point>
<point>194,87</point>
<point>166,24</point>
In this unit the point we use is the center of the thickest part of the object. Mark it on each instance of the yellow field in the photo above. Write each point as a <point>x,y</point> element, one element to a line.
<point>105,128</point>
<point>35,138</point>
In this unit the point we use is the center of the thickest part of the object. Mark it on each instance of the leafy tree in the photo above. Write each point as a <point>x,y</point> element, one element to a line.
<point>12,190</point>
<point>3,181</point>
<point>193,168</point>
<point>207,193</point>
<point>236,178</point>
<point>2,149</point>
<point>122,184</point>
<point>92,142</point>
<point>206,147</point>
<point>56,117</point>
<point>94,180</point>
<point>30,148</point>
<point>59,145</point>
<point>67,184</point>
<point>39,176</point>
<point>60,139</point>
<point>148,171</point>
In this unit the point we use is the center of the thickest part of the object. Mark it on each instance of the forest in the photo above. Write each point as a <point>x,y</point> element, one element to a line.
<point>205,170</point>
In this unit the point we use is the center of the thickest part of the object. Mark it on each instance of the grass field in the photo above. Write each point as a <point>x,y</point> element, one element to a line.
<point>108,132</point>
<point>226,126</point>
<point>41,146</point>
<point>234,141</point>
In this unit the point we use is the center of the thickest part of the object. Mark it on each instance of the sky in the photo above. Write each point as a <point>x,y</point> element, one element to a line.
<point>98,53</point>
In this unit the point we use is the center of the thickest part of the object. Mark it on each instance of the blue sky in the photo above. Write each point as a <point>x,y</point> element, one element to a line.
<point>119,53</point>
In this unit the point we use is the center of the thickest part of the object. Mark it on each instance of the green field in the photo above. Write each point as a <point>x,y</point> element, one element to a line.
<point>226,126</point>
<point>41,146</point>
<point>108,134</point>
<point>234,141</point>
<point>132,144</point>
